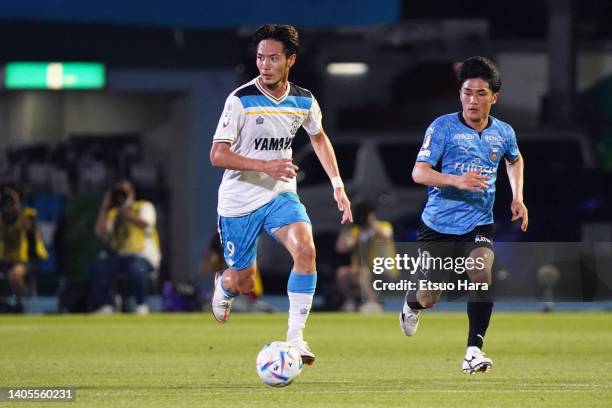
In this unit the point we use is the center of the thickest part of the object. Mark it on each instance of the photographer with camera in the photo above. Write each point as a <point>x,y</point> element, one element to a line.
<point>20,242</point>
<point>127,228</point>
<point>366,239</point>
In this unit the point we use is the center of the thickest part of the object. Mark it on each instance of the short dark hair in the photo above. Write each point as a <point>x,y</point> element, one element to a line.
<point>287,34</point>
<point>480,67</point>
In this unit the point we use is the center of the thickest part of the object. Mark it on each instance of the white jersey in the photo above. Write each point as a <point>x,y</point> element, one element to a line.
<point>259,126</point>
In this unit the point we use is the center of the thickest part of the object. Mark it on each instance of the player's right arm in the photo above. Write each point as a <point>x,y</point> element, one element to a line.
<point>423,173</point>
<point>279,169</point>
<point>431,153</point>
<point>230,125</point>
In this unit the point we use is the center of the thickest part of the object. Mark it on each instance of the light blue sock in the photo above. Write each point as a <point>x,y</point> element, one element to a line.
<point>300,290</point>
<point>302,283</point>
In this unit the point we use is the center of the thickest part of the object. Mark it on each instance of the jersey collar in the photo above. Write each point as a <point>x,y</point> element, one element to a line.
<point>489,122</point>
<point>270,96</point>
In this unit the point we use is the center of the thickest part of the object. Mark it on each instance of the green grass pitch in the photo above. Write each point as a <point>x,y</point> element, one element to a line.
<point>540,360</point>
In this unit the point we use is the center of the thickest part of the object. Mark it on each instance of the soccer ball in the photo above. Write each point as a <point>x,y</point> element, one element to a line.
<point>279,363</point>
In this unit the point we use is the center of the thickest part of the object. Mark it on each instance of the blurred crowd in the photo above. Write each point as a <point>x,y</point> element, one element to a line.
<point>127,258</point>
<point>122,269</point>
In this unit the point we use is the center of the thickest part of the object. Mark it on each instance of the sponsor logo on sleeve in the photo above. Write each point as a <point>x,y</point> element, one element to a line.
<point>227,116</point>
<point>425,152</point>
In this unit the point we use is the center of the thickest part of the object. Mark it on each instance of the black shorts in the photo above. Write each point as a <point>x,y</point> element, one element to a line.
<point>445,246</point>
<point>481,236</point>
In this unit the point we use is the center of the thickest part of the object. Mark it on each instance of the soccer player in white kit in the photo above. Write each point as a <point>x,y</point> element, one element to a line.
<point>258,191</point>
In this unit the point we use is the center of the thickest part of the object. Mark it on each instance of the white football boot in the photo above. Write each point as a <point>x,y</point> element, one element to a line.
<point>475,361</point>
<point>307,355</point>
<point>221,303</point>
<point>409,320</point>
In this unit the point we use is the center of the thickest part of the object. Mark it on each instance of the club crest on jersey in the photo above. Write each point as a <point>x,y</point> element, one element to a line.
<point>259,120</point>
<point>494,153</point>
<point>295,125</point>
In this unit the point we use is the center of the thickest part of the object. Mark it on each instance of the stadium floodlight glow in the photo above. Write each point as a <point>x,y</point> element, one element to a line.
<point>347,68</point>
<point>54,75</point>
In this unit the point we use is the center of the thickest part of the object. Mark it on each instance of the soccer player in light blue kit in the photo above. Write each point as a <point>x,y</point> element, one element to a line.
<point>458,162</point>
<point>258,191</point>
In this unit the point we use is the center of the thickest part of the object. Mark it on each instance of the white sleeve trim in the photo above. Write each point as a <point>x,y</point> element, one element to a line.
<point>313,123</point>
<point>230,120</point>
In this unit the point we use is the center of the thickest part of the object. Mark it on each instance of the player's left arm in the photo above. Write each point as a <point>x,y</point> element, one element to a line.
<point>515,170</point>
<point>325,152</point>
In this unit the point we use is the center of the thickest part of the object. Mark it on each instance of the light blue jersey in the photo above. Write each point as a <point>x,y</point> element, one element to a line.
<point>453,147</point>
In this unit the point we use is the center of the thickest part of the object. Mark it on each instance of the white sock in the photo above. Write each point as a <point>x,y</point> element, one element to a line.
<point>299,308</point>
